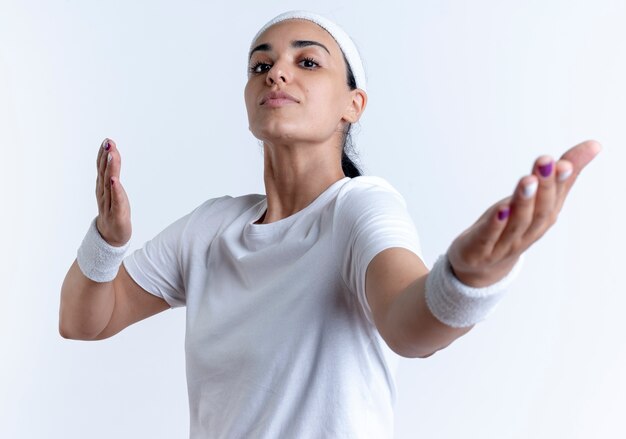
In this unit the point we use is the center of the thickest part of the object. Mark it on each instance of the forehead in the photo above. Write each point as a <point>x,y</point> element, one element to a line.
<point>284,32</point>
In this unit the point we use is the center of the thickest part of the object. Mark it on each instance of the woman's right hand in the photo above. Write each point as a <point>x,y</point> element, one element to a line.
<point>113,221</point>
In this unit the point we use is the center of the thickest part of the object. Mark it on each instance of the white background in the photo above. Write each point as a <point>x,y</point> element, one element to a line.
<point>463,97</point>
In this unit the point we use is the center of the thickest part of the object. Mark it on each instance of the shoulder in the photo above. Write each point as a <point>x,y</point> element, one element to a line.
<point>366,201</point>
<point>223,208</point>
<point>367,189</point>
<point>368,181</point>
<point>230,202</point>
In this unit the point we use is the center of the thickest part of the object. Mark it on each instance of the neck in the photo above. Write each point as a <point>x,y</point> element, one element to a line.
<point>295,175</point>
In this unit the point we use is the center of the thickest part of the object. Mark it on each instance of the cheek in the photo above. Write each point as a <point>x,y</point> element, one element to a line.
<point>246,94</point>
<point>249,99</point>
<point>320,98</point>
<point>325,103</point>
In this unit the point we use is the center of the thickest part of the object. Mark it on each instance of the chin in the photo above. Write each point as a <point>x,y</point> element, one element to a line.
<point>276,131</point>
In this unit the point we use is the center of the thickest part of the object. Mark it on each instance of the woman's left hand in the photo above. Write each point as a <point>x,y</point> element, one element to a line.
<point>488,250</point>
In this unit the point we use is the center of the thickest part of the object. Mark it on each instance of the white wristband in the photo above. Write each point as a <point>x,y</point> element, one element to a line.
<point>97,259</point>
<point>459,305</point>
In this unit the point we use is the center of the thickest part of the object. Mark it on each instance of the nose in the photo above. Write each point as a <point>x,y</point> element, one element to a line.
<point>278,73</point>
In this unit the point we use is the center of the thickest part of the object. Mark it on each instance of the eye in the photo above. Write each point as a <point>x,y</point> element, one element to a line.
<point>253,69</point>
<point>310,60</point>
<point>307,60</point>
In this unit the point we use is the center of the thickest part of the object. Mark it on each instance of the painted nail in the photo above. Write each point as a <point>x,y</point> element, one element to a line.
<point>563,176</point>
<point>546,170</point>
<point>105,144</point>
<point>529,189</point>
<point>109,157</point>
<point>504,214</point>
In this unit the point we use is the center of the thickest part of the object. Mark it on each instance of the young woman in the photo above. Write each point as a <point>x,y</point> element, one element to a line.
<point>300,301</point>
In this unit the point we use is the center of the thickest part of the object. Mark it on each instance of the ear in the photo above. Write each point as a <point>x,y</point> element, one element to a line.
<point>356,107</point>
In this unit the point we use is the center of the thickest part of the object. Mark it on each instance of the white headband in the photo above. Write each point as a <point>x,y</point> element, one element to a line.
<point>343,40</point>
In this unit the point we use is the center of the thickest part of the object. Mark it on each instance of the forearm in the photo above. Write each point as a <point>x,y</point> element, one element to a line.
<point>86,306</point>
<point>418,332</point>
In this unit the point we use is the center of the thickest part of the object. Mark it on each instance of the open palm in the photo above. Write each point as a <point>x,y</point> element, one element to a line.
<point>488,250</point>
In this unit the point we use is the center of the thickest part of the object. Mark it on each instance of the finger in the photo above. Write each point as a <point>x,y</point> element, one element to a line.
<point>99,177</point>
<point>489,227</point>
<point>109,161</point>
<point>572,162</point>
<point>545,199</point>
<point>118,197</point>
<point>102,163</point>
<point>564,170</point>
<point>580,156</point>
<point>107,181</point>
<point>113,178</point>
<point>114,197</point>
<point>522,207</point>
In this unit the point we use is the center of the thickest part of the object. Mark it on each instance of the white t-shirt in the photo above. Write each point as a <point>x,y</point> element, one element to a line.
<point>280,341</point>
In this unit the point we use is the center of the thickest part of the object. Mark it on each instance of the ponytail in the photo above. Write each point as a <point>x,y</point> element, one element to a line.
<point>350,169</point>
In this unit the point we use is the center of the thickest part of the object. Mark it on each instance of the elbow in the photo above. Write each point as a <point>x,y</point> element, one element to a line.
<point>71,330</point>
<point>411,350</point>
<point>64,331</point>
<point>423,346</point>
<point>74,335</point>
<point>417,353</point>
<point>426,355</point>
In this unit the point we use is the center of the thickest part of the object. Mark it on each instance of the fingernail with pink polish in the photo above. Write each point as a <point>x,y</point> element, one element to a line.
<point>504,213</point>
<point>546,170</point>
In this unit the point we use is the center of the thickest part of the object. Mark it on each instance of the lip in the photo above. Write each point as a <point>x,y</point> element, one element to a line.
<point>278,98</point>
<point>278,102</point>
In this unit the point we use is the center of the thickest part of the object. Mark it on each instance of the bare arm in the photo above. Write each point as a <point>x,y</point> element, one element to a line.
<point>92,310</point>
<point>97,310</point>
<point>86,306</point>
<point>395,287</point>
<point>482,255</point>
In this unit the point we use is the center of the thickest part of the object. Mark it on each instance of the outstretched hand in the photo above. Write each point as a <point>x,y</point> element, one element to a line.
<point>113,221</point>
<point>488,250</point>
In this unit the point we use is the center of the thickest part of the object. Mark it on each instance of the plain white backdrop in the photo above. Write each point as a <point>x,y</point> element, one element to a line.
<point>463,97</point>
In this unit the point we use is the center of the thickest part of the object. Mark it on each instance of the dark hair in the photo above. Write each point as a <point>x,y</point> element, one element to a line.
<point>350,169</point>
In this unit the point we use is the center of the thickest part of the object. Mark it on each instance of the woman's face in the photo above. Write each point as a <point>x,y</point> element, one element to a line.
<point>292,60</point>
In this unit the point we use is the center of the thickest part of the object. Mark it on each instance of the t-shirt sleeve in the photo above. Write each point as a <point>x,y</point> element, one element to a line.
<point>157,266</point>
<point>376,218</point>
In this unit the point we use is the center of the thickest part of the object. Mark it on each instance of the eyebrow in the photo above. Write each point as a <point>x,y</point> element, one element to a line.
<point>295,44</point>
